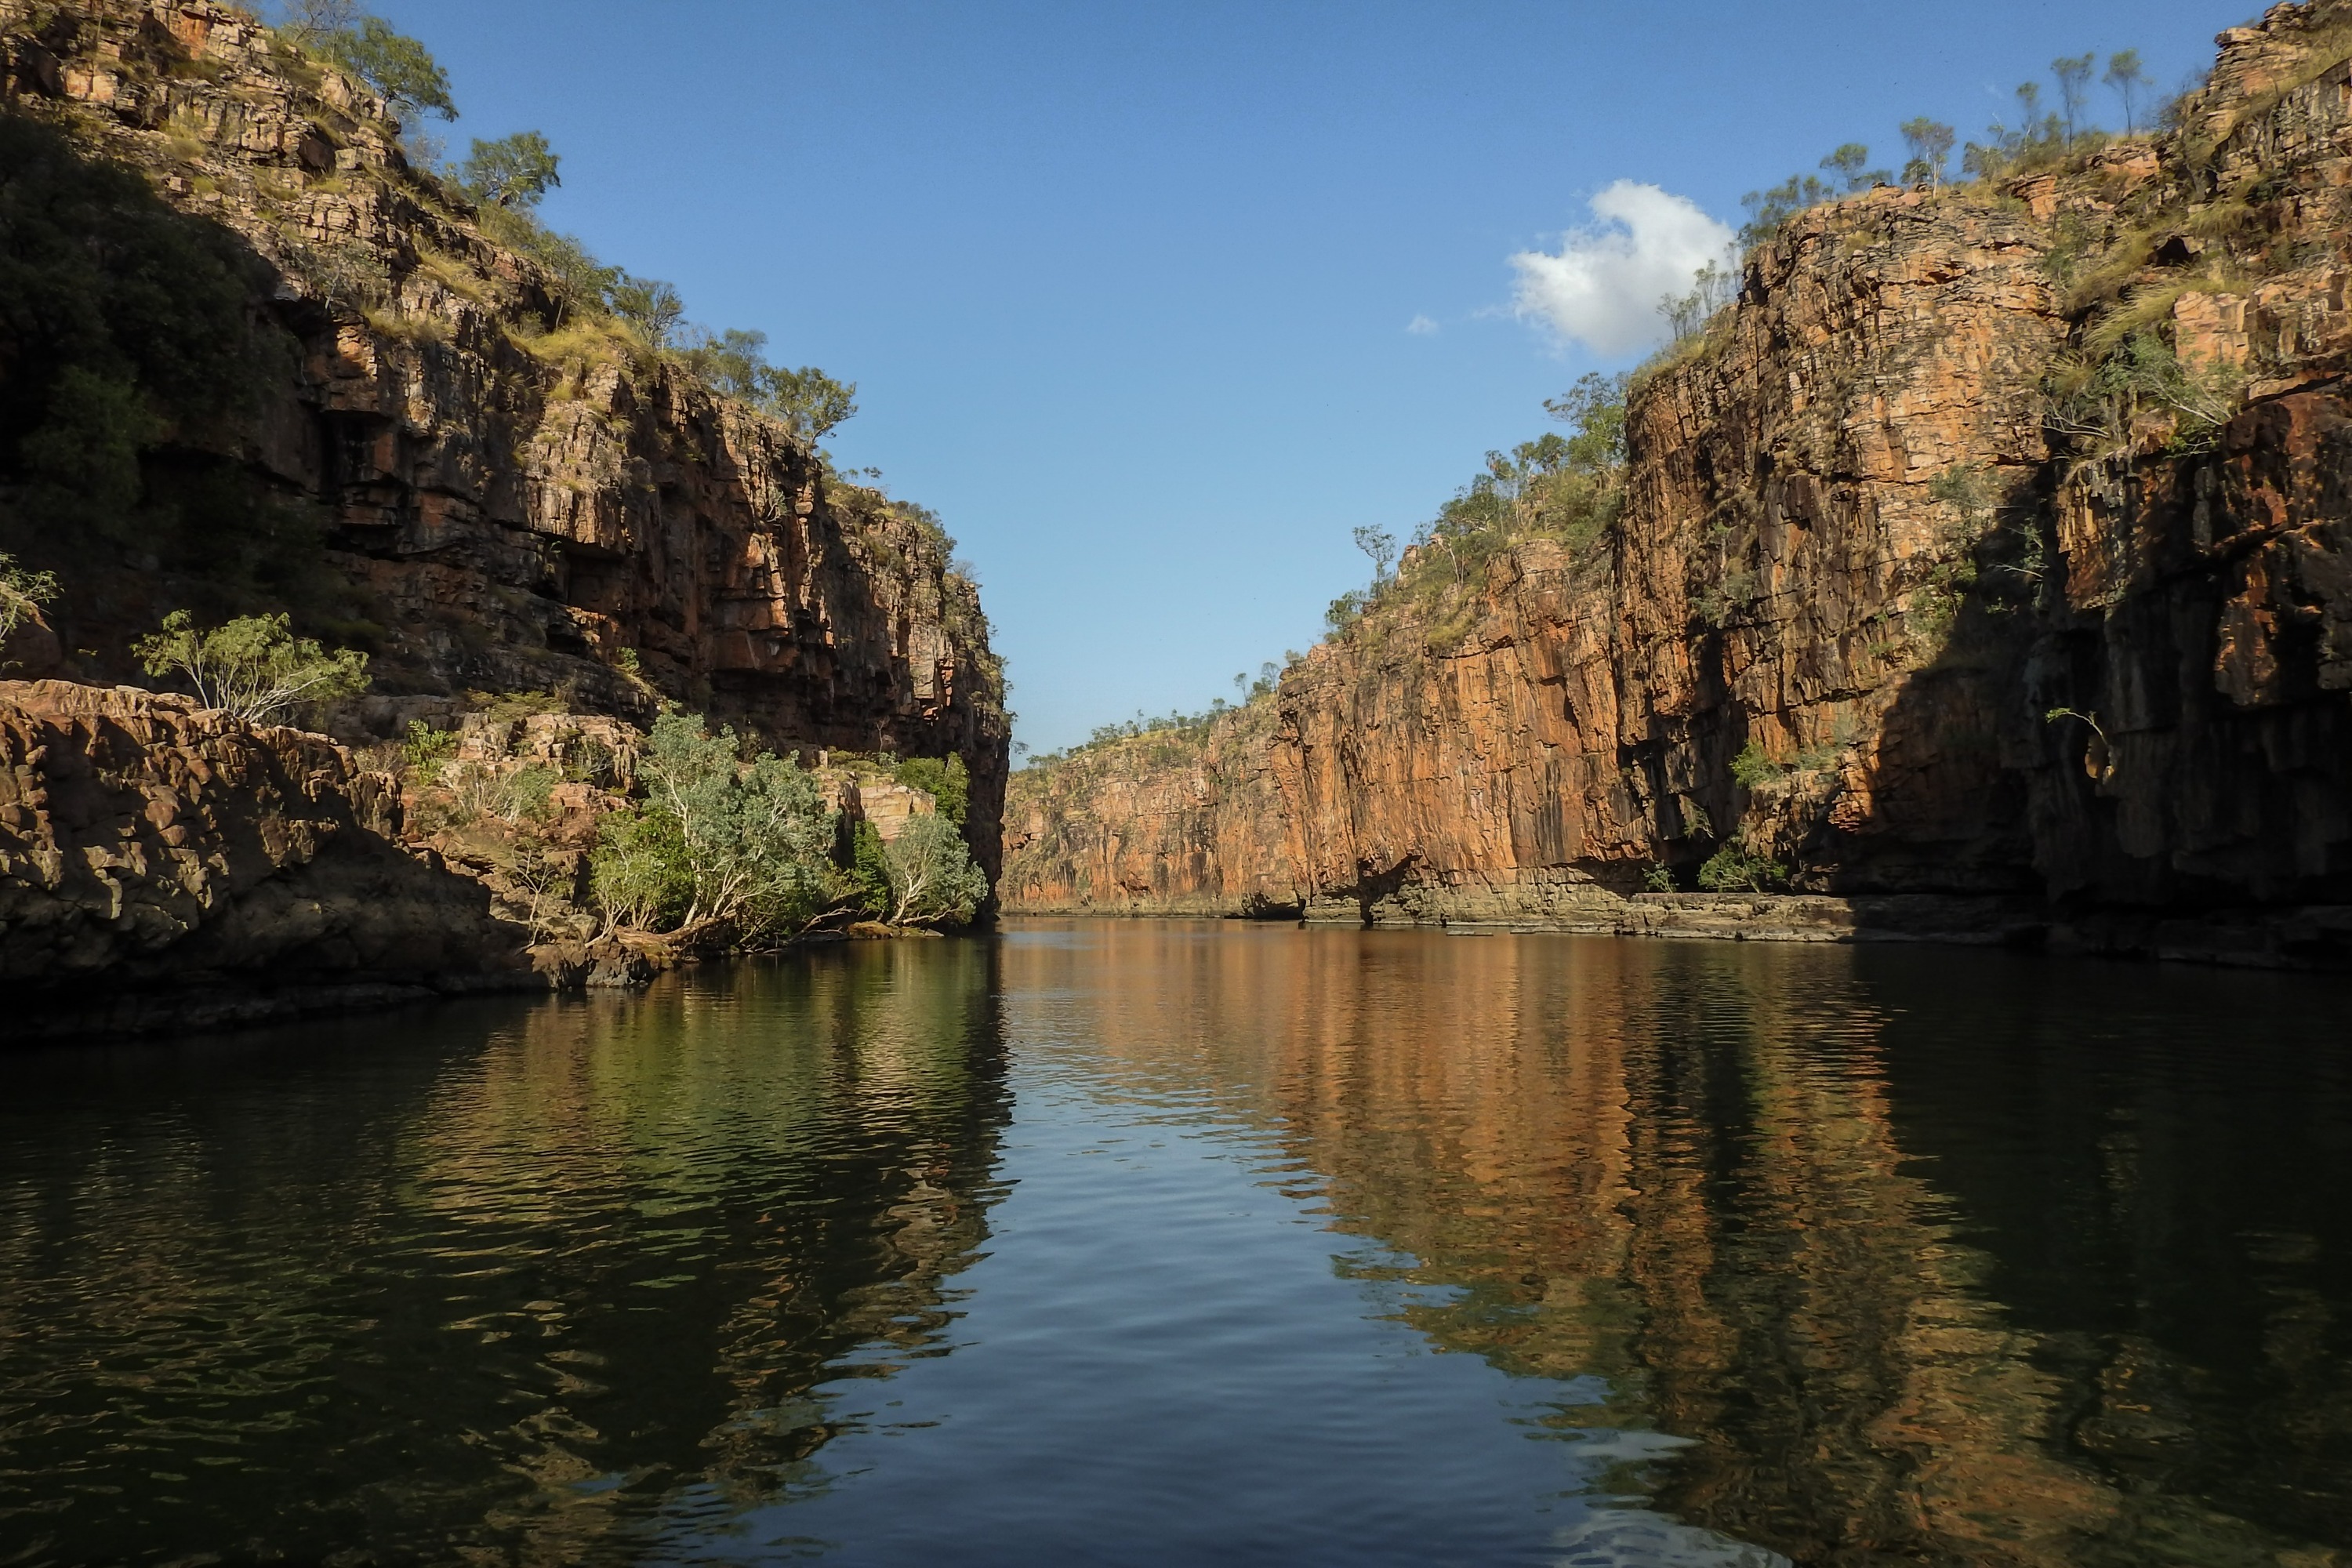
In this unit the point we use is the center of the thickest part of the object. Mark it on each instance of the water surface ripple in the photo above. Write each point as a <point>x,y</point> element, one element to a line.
<point>1163,1242</point>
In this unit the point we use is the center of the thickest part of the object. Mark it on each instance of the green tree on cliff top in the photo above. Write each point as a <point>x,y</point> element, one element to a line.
<point>2126,76</point>
<point>512,172</point>
<point>401,70</point>
<point>1930,144</point>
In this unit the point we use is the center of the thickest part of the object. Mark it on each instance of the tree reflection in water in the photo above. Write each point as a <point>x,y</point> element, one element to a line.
<point>510,1274</point>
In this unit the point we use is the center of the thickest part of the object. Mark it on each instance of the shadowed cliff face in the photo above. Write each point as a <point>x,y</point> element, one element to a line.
<point>508,498</point>
<point>1866,545</point>
<point>159,862</point>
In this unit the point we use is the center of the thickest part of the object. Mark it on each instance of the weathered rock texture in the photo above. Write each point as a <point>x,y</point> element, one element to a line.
<point>166,865</point>
<point>1795,578</point>
<point>512,497</point>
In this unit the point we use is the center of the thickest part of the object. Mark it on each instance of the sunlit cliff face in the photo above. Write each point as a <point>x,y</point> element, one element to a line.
<point>1883,606</point>
<point>1713,1184</point>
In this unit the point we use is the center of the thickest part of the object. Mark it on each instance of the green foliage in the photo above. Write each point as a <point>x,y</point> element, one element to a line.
<point>514,170</point>
<point>84,459</point>
<point>580,280</point>
<point>648,304</point>
<point>933,878</point>
<point>346,275</point>
<point>946,780</point>
<point>2073,75</point>
<point>718,842</point>
<point>1754,766</point>
<point>22,594</point>
<point>1732,870</point>
<point>1969,494</point>
<point>1564,487</point>
<point>118,318</point>
<point>2040,137</point>
<point>1659,878</point>
<point>1968,491</point>
<point>1930,142</point>
<point>528,793</point>
<point>1345,611</point>
<point>1849,164</point>
<point>308,22</point>
<point>735,363</point>
<point>1768,208</point>
<point>1175,726</point>
<point>425,749</point>
<point>1713,287</point>
<point>1569,487</point>
<point>2054,714</point>
<point>2130,79</point>
<point>639,874</point>
<point>2096,404</point>
<point>810,400</point>
<point>926,523</point>
<point>253,667</point>
<point>869,871</point>
<point>402,71</point>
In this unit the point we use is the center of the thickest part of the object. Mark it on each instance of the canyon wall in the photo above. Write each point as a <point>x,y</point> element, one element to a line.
<point>1879,612</point>
<point>446,463</point>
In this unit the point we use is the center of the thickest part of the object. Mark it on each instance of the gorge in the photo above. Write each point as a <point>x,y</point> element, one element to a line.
<point>481,759</point>
<point>1895,607</point>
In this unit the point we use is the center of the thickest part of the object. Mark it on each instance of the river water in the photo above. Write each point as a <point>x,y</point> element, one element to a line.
<point>1165,1242</point>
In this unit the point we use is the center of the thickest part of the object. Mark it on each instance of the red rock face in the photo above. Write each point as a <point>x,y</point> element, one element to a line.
<point>163,863</point>
<point>509,508</point>
<point>1798,576</point>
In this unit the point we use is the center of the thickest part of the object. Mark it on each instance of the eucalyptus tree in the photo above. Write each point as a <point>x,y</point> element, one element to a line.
<point>2127,76</point>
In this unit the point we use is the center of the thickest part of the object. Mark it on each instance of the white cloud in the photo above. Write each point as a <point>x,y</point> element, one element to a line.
<point>1602,290</point>
<point>1421,327</point>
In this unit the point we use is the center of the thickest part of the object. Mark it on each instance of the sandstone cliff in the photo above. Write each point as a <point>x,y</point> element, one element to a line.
<point>447,465</point>
<point>166,865</point>
<point>1870,544</point>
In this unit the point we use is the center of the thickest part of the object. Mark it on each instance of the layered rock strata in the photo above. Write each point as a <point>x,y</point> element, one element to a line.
<point>166,865</point>
<point>1880,612</point>
<point>511,496</point>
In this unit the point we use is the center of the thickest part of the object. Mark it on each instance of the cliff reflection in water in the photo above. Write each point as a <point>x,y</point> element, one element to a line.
<point>1930,1256</point>
<point>1863,1256</point>
<point>507,1291</point>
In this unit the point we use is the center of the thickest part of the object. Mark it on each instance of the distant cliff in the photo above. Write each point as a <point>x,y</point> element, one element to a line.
<point>1933,601</point>
<point>438,457</point>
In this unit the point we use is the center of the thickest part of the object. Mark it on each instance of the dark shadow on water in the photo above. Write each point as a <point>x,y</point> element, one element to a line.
<point>496,1277</point>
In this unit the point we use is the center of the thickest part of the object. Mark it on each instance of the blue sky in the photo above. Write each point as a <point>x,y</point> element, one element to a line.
<point>1128,288</point>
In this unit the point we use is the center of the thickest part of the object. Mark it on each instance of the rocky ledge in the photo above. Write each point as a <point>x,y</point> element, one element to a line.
<point>166,865</point>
